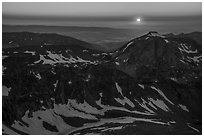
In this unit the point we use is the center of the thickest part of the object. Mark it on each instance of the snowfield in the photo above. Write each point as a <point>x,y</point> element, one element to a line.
<point>53,59</point>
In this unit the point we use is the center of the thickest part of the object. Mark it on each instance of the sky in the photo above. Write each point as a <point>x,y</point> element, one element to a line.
<point>175,16</point>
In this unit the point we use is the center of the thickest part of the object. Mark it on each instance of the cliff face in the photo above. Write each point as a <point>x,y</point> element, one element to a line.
<point>151,81</point>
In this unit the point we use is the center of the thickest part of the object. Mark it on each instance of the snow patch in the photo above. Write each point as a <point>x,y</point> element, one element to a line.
<point>32,52</point>
<point>196,59</point>
<point>127,46</point>
<point>95,55</point>
<point>47,44</point>
<point>152,105</point>
<point>101,94</point>
<point>117,63</point>
<point>69,111</point>
<point>193,128</point>
<point>146,38</point>
<point>125,101</point>
<point>155,34</point>
<point>5,90</point>
<point>174,79</point>
<point>160,104</point>
<point>108,107</point>
<point>166,40</point>
<point>85,50</point>
<point>186,49</point>
<point>142,86</point>
<point>125,60</point>
<point>172,122</point>
<point>143,104</point>
<point>84,107</point>
<point>68,50</point>
<point>119,88</point>
<point>88,78</point>
<point>10,42</point>
<point>69,82</point>
<point>104,54</point>
<point>112,128</point>
<point>36,125</point>
<point>183,107</point>
<point>8,131</point>
<point>38,76</point>
<point>162,94</point>
<point>55,85</point>
<point>3,57</point>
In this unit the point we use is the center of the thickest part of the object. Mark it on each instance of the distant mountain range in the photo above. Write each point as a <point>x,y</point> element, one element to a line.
<point>196,36</point>
<point>55,84</point>
<point>21,39</point>
<point>106,39</point>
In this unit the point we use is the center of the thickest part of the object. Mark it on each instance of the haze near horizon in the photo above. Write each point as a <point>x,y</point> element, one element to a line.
<point>164,17</point>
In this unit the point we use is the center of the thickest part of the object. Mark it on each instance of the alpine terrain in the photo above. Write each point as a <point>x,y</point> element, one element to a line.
<point>54,84</point>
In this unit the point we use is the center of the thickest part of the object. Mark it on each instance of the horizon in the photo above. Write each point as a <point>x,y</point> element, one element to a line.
<point>111,28</point>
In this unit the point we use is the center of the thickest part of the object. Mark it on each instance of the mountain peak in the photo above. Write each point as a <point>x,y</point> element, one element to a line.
<point>154,34</point>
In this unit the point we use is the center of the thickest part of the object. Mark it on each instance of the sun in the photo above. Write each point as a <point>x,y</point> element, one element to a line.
<point>138,19</point>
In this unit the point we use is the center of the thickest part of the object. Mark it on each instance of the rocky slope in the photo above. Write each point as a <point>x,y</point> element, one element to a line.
<point>151,85</point>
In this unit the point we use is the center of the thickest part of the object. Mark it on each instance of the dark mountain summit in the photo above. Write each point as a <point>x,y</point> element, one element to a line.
<point>160,56</point>
<point>152,82</point>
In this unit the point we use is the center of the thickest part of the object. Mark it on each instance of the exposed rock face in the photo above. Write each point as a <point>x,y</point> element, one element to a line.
<point>151,81</point>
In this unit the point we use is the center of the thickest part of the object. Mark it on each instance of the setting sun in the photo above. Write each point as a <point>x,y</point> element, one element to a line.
<point>138,19</point>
